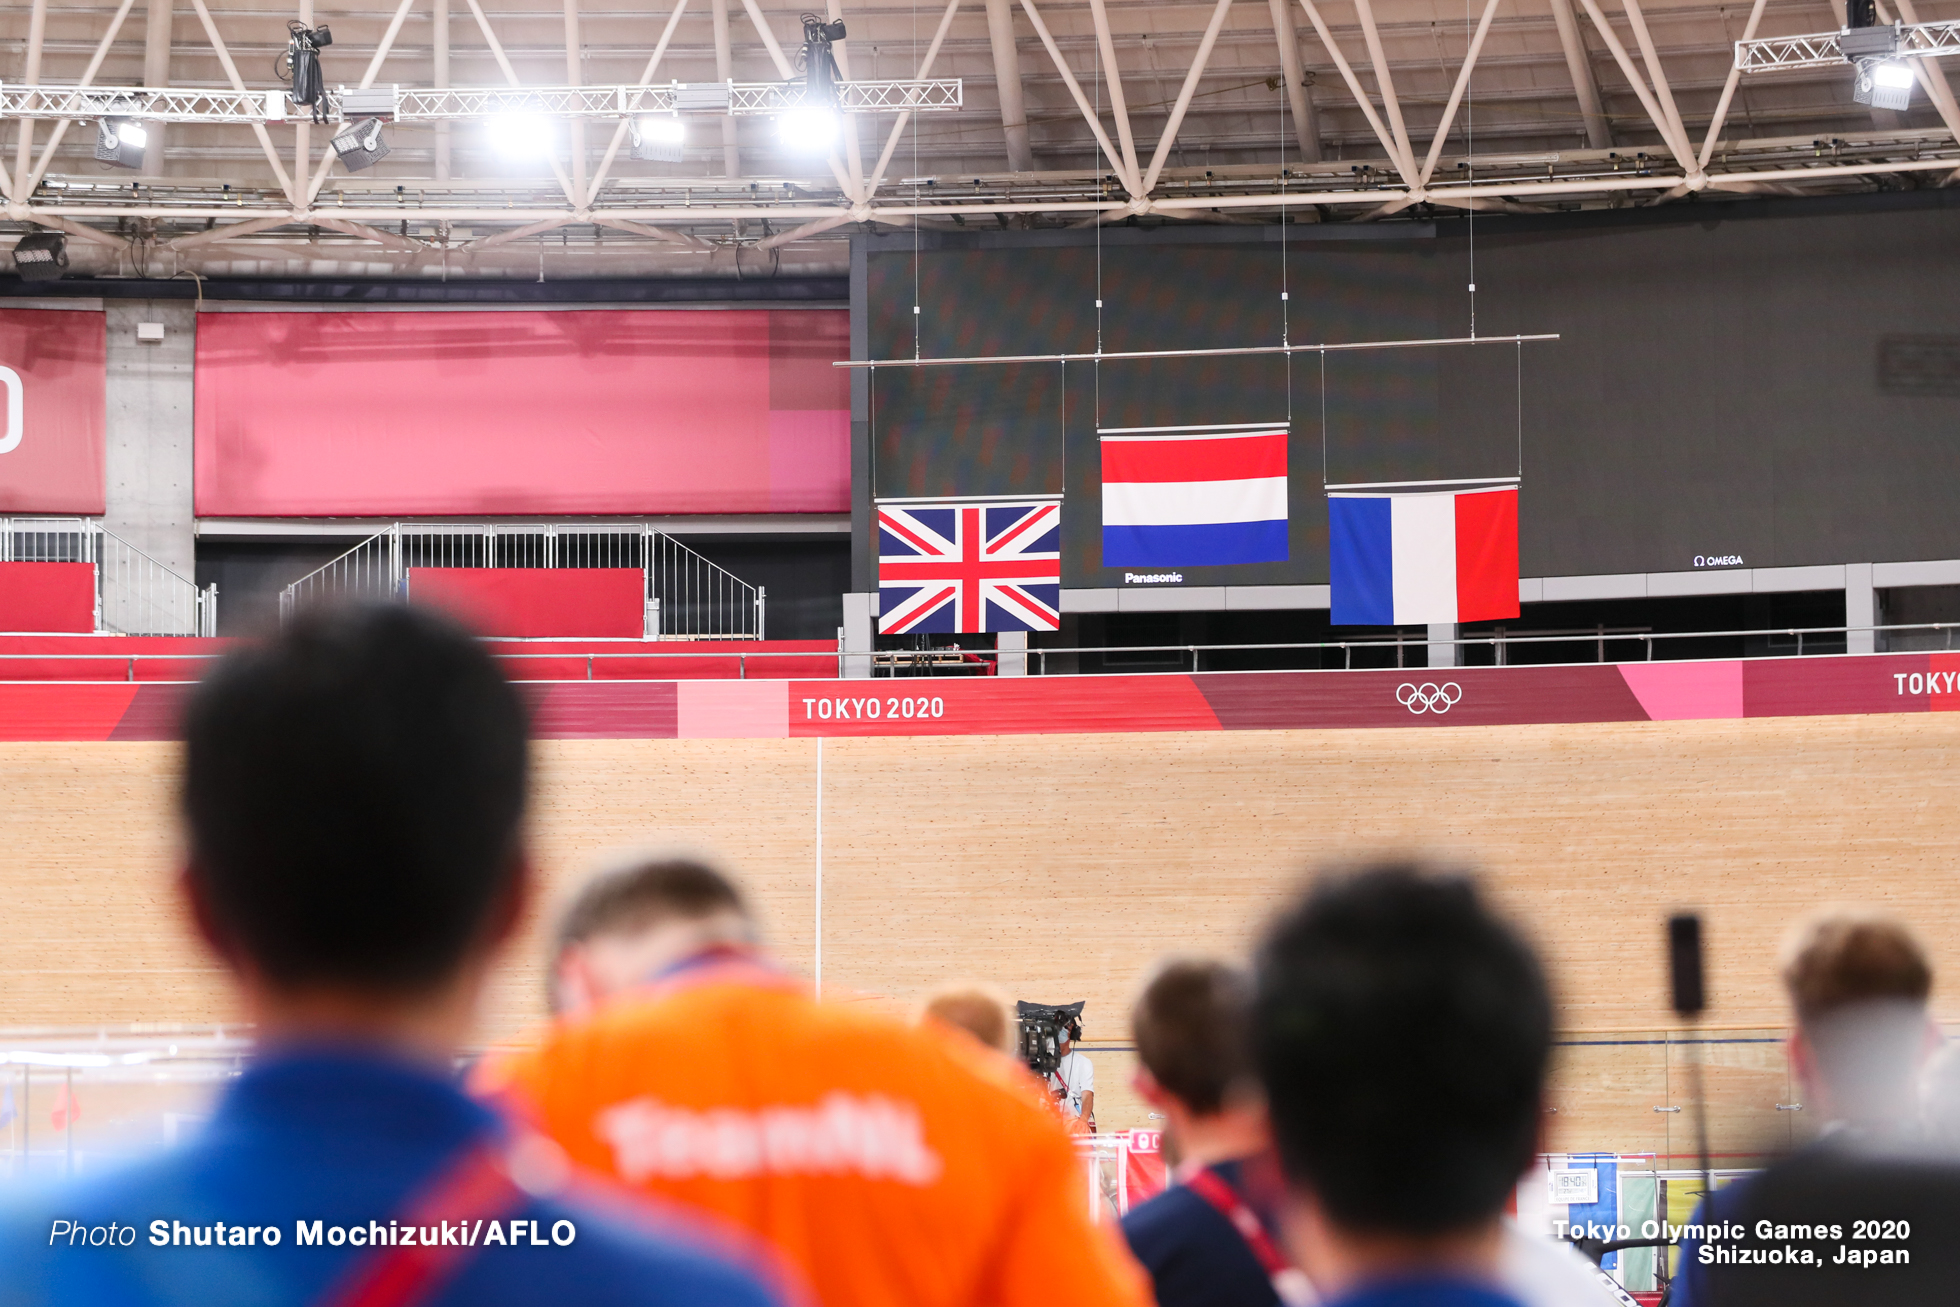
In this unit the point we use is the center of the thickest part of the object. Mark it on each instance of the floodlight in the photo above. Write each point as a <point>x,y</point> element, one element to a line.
<point>658,138</point>
<point>120,142</point>
<point>808,128</point>
<point>520,135</point>
<point>1893,74</point>
<point>41,255</point>
<point>1882,83</point>
<point>359,144</point>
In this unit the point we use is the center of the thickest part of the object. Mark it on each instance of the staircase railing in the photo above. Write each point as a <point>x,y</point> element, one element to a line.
<point>134,593</point>
<point>687,596</point>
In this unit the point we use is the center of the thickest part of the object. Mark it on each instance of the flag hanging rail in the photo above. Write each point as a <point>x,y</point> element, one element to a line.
<point>1109,356</point>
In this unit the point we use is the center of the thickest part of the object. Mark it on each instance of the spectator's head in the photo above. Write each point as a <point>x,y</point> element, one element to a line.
<point>629,923</point>
<point>1190,1025</point>
<point>1858,982</point>
<point>1402,1032</point>
<point>355,792</point>
<point>979,1010</point>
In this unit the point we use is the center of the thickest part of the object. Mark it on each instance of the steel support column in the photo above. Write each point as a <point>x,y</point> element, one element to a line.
<point>1007,82</point>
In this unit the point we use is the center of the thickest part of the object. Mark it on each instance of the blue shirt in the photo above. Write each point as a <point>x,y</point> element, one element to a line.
<point>1196,1258</point>
<point>344,1139</point>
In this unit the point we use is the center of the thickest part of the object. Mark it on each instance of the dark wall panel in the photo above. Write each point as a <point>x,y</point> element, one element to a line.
<point>1778,382</point>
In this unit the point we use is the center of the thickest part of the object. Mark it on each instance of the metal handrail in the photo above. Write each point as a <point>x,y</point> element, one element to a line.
<point>1402,642</point>
<point>687,596</point>
<point>744,656</point>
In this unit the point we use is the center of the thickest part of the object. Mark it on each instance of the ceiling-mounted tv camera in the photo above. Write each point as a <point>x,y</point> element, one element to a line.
<point>820,75</point>
<point>1044,1028</point>
<point>299,65</point>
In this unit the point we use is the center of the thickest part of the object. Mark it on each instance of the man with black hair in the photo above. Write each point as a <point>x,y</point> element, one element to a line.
<point>354,790</point>
<point>1209,1240</point>
<point>1402,1034</point>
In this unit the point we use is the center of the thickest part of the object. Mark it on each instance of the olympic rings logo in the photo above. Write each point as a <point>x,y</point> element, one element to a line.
<point>1428,697</point>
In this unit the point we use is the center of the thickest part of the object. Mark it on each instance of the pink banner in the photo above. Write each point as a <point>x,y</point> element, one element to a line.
<point>399,414</point>
<point>53,372</point>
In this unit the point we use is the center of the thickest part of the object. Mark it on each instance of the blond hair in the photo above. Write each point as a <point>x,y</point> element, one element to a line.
<point>978,1009</point>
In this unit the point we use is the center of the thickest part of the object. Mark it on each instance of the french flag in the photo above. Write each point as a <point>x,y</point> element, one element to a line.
<point>1194,496</point>
<point>1413,559</point>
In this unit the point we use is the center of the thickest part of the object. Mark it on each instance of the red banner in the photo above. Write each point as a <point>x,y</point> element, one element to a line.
<point>53,372</point>
<point>600,602</point>
<point>402,414</point>
<point>1060,705</point>
<point>47,597</point>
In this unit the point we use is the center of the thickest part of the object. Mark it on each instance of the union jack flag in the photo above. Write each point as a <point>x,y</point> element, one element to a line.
<point>959,565</point>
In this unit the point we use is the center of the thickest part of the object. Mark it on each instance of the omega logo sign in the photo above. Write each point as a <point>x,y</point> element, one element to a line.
<point>1428,697</point>
<point>16,407</point>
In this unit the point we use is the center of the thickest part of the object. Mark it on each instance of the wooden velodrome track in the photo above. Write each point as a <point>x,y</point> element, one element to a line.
<point>1059,866</point>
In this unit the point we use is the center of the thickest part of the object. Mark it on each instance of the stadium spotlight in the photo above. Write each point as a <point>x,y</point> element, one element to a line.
<point>1883,84</point>
<point>359,144</point>
<point>658,138</point>
<point>519,135</point>
<point>808,128</point>
<point>299,65</point>
<point>1880,78</point>
<point>41,255</point>
<point>362,111</point>
<point>119,142</point>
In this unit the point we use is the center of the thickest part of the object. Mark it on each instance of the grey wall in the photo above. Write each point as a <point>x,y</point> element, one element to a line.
<point>149,463</point>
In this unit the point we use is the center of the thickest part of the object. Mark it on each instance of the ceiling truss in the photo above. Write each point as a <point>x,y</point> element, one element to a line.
<point>1042,111</point>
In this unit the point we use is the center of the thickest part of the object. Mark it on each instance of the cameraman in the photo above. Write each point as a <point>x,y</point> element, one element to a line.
<point>1073,1081</point>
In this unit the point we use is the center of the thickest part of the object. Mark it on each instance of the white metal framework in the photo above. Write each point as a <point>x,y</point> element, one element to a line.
<point>1078,112</point>
<point>460,104</point>
<point>1820,49</point>
<point>613,102</point>
<point>687,597</point>
<point>151,104</point>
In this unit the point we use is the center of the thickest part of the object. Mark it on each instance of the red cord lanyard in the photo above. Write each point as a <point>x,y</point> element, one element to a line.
<point>1210,1186</point>
<point>474,1189</point>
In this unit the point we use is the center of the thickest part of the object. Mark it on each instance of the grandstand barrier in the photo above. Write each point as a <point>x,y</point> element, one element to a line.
<point>128,592</point>
<point>684,595</point>
<point>729,706</point>
<point>47,597</point>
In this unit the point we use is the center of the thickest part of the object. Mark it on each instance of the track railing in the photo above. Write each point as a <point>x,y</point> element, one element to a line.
<point>756,664</point>
<point>929,662</point>
<point>134,593</point>
<point>686,596</point>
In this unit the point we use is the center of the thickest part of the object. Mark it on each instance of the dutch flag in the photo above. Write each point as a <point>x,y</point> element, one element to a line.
<point>1194,496</point>
<point>1413,559</point>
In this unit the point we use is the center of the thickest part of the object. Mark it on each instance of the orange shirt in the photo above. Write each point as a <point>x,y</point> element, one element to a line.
<point>889,1164</point>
